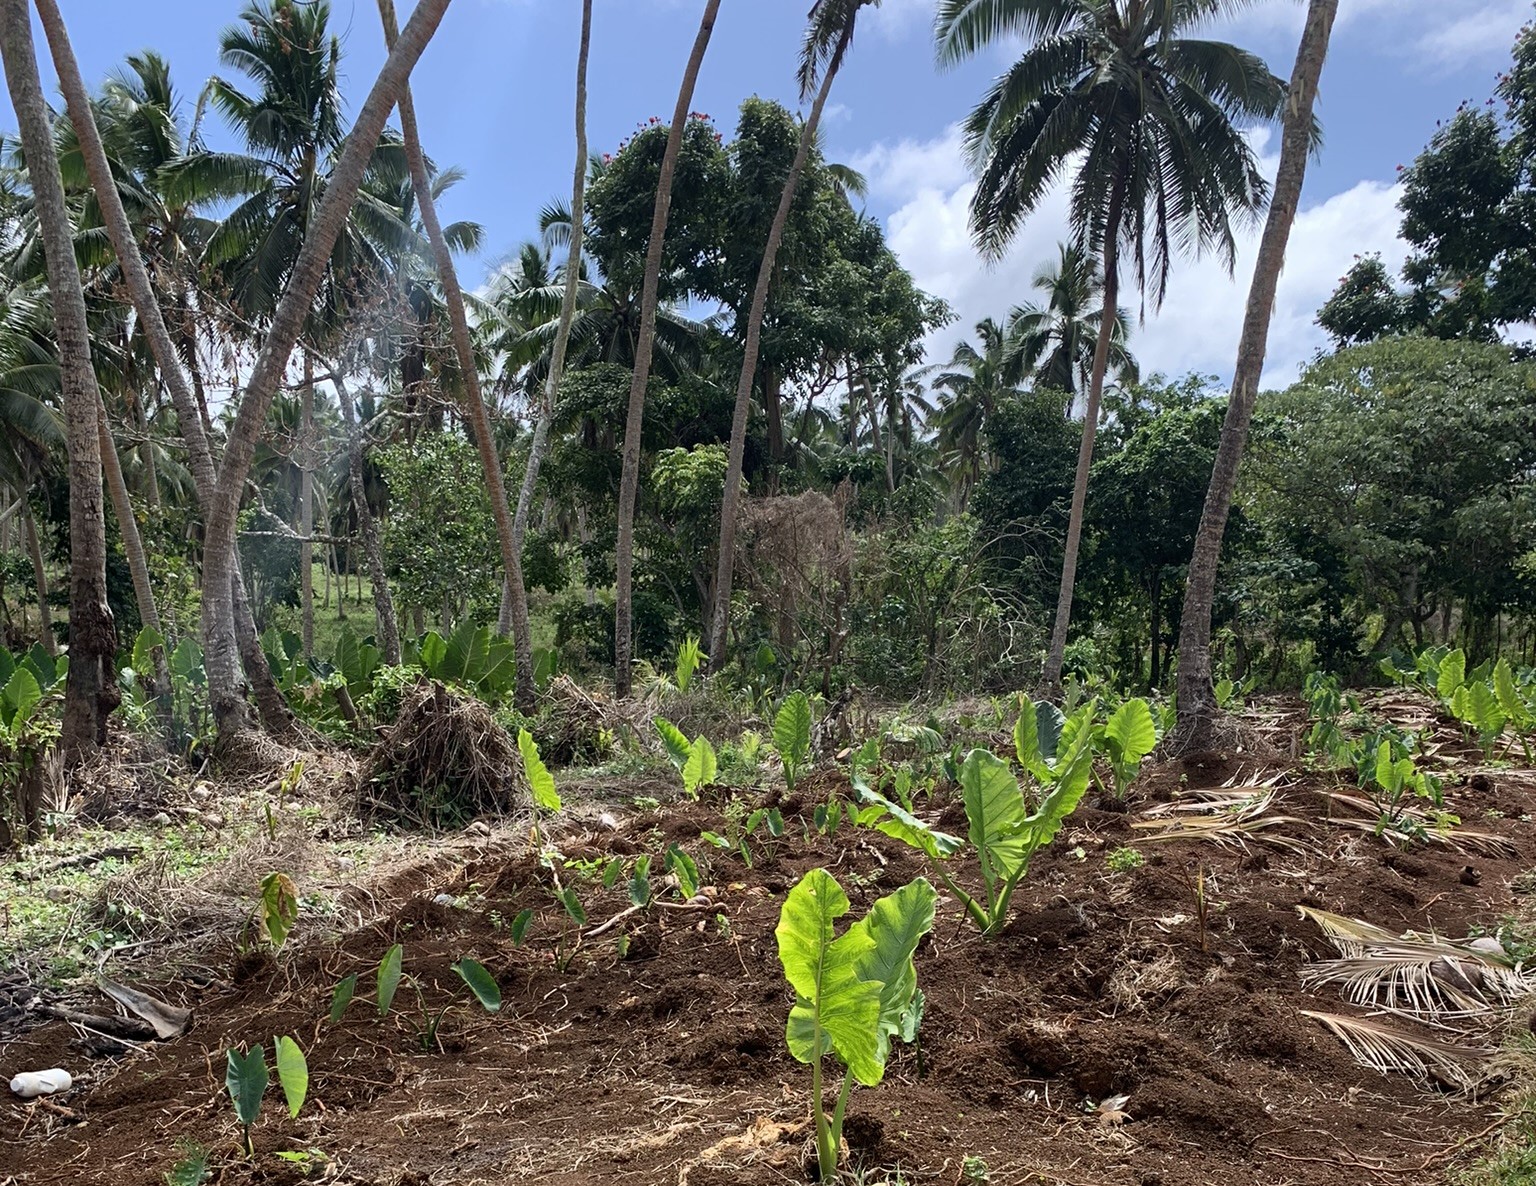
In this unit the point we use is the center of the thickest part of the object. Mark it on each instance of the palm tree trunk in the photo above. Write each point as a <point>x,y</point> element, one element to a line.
<point>191,407</point>
<point>127,525</point>
<point>146,451</point>
<point>40,579</point>
<point>511,553</point>
<point>623,637</point>
<point>540,443</point>
<point>225,690</point>
<point>1196,702</point>
<point>1051,677</point>
<point>730,511</point>
<point>387,625</point>
<point>307,507</point>
<point>90,691</point>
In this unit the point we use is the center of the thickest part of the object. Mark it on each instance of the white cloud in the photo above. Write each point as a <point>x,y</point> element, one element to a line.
<point>896,18</point>
<point>926,189</point>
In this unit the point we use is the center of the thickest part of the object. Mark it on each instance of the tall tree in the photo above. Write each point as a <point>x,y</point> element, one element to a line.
<point>287,322</point>
<point>1056,341</point>
<point>90,692</point>
<point>624,559</point>
<point>828,35</point>
<point>1197,703</point>
<point>971,385</point>
<point>1146,117</point>
<point>474,402</point>
<point>569,293</point>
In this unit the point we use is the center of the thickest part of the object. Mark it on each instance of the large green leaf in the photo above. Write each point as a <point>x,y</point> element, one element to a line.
<point>701,767</point>
<point>342,996</point>
<point>835,1011</point>
<point>21,695</point>
<point>675,741</point>
<point>246,1080</point>
<point>389,977</point>
<point>885,815</point>
<point>481,983</point>
<point>792,733</point>
<point>467,652</point>
<point>434,655</point>
<point>540,781</point>
<point>44,666</point>
<point>1048,725</point>
<point>895,924</point>
<point>1131,731</point>
<point>142,659</point>
<point>1508,694</point>
<point>355,660</point>
<point>292,1073</point>
<point>1483,710</point>
<point>187,662</point>
<point>1026,735</point>
<point>994,807</point>
<point>1452,673</point>
<point>500,674</point>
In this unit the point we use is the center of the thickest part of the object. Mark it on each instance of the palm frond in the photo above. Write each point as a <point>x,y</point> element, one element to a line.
<point>1387,1050</point>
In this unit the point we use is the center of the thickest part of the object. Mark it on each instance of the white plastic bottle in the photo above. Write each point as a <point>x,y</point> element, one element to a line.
<point>30,1084</point>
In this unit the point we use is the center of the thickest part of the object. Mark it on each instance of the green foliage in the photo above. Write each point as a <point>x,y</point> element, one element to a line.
<point>481,983</point>
<point>246,1080</point>
<point>278,909</point>
<point>191,1168</point>
<point>689,657</point>
<point>1124,860</point>
<point>342,996</point>
<point>696,760</point>
<point>541,783</point>
<point>389,978</point>
<point>1129,735</point>
<point>853,992</point>
<point>292,1073</point>
<point>792,735</point>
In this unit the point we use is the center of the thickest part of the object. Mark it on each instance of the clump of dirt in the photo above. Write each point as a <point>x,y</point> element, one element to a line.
<point>444,762</point>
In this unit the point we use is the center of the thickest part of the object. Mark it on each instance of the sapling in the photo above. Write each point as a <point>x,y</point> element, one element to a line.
<point>246,1078</point>
<point>853,992</point>
<point>696,760</point>
<point>1129,735</point>
<point>792,736</point>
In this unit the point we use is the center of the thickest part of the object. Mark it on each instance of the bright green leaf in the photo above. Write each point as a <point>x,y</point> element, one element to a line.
<point>292,1073</point>
<point>481,983</point>
<point>389,977</point>
<point>540,781</point>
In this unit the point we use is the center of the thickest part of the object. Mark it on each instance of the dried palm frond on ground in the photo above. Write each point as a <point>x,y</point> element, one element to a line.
<point>1387,1049</point>
<point>1421,825</point>
<point>1225,815</point>
<point>444,762</point>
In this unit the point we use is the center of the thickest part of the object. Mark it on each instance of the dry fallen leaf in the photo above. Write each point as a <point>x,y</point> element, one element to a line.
<point>1111,1112</point>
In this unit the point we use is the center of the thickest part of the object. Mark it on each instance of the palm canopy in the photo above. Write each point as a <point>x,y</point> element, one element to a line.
<point>1055,341</point>
<point>1146,116</point>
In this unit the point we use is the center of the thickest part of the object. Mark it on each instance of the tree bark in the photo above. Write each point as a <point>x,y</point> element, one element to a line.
<point>511,553</point>
<point>623,640</point>
<point>40,579</point>
<point>225,690</point>
<point>127,525</point>
<point>90,691</point>
<point>1197,709</point>
<point>373,555</point>
<point>730,511</point>
<point>1056,657</point>
<point>540,443</point>
<point>307,507</point>
<point>191,408</point>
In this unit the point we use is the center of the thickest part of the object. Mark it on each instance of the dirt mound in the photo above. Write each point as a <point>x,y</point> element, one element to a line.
<point>444,762</point>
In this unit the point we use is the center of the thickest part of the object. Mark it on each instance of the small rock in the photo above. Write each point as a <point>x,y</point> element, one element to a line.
<point>1487,944</point>
<point>1470,876</point>
<point>160,819</point>
<point>607,820</point>
<point>214,820</point>
<point>478,828</point>
<point>445,900</point>
<point>345,863</point>
<point>58,893</point>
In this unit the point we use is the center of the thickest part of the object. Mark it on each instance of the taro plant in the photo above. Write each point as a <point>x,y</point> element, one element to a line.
<point>1128,736</point>
<point>277,910</point>
<point>391,975</point>
<point>1390,780</point>
<point>854,992</point>
<point>792,736</point>
<point>690,657</point>
<point>740,826</point>
<point>694,760</point>
<point>246,1078</point>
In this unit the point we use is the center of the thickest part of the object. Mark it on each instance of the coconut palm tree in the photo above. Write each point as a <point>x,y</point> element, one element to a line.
<point>1197,707</point>
<point>1144,120</point>
<point>970,387</point>
<point>1055,341</point>
<point>828,35</point>
<point>650,300</point>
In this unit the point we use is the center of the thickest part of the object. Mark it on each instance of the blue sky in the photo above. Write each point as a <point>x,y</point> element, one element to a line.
<point>494,96</point>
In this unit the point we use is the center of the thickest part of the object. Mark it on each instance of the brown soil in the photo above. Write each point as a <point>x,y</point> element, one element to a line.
<point>660,1058</point>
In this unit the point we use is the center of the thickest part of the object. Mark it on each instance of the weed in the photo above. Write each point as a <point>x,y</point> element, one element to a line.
<point>1123,860</point>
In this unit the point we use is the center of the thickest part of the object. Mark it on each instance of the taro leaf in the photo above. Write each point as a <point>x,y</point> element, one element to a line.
<point>540,781</point>
<point>389,977</point>
<point>143,657</point>
<point>1039,829</point>
<point>519,926</point>
<point>343,995</point>
<point>775,821</point>
<point>895,925</point>
<point>246,1080</point>
<point>611,872</point>
<point>279,908</point>
<point>1048,726</point>
<point>834,1011</point>
<point>640,882</point>
<point>44,666</point>
<point>1508,696</point>
<point>1026,736</point>
<point>701,768</point>
<point>684,868</point>
<point>186,662</point>
<point>1452,674</point>
<point>912,1016</point>
<point>896,821</point>
<point>434,652</point>
<point>573,906</point>
<point>169,1021</point>
<point>481,983</point>
<point>994,808</point>
<point>7,666</point>
<point>1131,731</point>
<point>21,695</point>
<point>292,1073</point>
<point>1483,711</point>
<point>675,741</point>
<point>792,734</point>
<point>464,658</point>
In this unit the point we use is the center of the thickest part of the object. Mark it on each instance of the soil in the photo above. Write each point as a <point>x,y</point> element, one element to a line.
<point>654,1053</point>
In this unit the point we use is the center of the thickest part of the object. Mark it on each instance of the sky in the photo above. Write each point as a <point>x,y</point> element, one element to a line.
<point>494,95</point>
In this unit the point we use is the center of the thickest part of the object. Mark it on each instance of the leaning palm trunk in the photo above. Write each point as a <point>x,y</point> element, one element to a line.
<point>225,688</point>
<point>191,409</point>
<point>368,529</point>
<point>1197,704</point>
<point>40,579</point>
<point>90,691</point>
<point>1056,657</point>
<point>127,525</point>
<point>624,559</point>
<point>730,511</point>
<point>511,555</point>
<point>307,507</point>
<point>540,443</point>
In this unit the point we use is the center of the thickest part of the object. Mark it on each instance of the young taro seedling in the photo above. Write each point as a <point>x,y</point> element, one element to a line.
<point>1128,736</point>
<point>389,978</point>
<point>792,736</point>
<point>246,1079</point>
<point>741,826</point>
<point>854,993</point>
<point>694,760</point>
